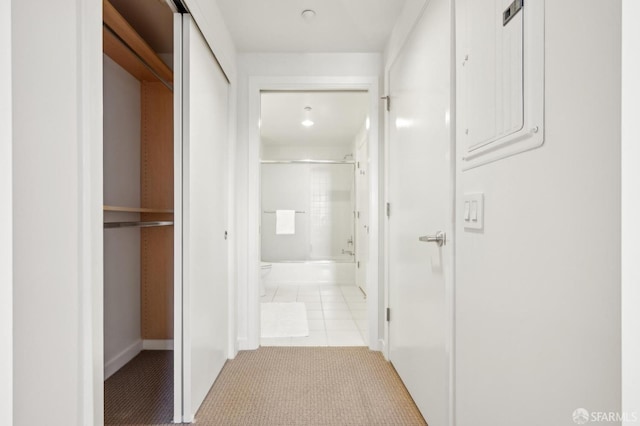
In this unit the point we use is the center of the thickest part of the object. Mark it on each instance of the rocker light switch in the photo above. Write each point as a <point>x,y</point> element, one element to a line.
<point>474,211</point>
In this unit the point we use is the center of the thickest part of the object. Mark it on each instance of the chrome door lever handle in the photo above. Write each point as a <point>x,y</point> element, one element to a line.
<point>440,238</point>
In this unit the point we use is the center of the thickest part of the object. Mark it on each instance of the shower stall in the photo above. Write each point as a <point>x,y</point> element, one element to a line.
<point>320,247</point>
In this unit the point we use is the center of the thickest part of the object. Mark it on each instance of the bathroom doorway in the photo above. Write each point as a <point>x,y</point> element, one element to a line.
<point>311,209</point>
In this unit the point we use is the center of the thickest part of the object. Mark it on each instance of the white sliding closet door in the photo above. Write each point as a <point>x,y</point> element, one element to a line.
<point>204,214</point>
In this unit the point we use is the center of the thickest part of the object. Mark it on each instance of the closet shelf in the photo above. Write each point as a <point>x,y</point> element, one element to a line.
<point>111,225</point>
<point>134,209</point>
<point>126,47</point>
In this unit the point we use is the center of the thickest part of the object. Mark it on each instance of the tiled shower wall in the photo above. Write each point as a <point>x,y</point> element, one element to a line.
<point>323,194</point>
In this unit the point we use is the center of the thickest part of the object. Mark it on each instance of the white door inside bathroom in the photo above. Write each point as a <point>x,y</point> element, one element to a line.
<point>204,213</point>
<point>420,197</point>
<point>362,209</point>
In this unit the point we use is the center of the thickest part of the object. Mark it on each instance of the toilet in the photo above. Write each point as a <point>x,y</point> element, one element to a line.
<point>265,268</point>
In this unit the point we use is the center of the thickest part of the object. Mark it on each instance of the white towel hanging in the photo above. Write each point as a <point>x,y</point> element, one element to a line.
<point>285,222</point>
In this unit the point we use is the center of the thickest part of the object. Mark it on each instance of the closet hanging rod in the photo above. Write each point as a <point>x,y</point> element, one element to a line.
<point>123,209</point>
<point>140,58</point>
<point>273,211</point>
<point>111,225</point>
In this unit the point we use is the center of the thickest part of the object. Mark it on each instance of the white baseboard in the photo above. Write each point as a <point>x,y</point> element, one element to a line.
<point>383,348</point>
<point>243,345</point>
<point>119,361</point>
<point>157,345</point>
<point>377,345</point>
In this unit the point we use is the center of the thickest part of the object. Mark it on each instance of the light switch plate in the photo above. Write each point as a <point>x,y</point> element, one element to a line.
<point>475,220</point>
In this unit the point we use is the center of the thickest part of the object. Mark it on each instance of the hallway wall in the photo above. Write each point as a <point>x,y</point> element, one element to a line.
<point>57,210</point>
<point>6,217</point>
<point>297,152</point>
<point>538,291</point>
<point>411,12</point>
<point>275,65</point>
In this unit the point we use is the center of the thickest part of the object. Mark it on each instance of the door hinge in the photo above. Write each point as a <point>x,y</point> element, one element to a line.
<point>511,11</point>
<point>387,100</point>
<point>388,314</point>
<point>388,209</point>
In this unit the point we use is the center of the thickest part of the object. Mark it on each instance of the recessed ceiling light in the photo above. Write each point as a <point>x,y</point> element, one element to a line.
<point>308,14</point>
<point>307,123</point>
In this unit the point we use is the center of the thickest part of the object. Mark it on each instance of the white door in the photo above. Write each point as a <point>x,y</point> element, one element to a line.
<point>420,196</point>
<point>362,210</point>
<point>204,215</point>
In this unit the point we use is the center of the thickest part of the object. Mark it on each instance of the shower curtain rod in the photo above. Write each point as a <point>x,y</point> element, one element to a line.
<point>307,162</point>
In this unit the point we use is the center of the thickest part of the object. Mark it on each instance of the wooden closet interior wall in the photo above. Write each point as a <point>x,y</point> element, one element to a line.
<point>128,49</point>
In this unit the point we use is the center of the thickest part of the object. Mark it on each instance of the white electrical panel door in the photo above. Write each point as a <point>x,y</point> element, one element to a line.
<point>500,69</point>
<point>493,69</point>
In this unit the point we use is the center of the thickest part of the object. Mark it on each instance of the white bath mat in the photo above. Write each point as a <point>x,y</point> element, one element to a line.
<point>284,320</point>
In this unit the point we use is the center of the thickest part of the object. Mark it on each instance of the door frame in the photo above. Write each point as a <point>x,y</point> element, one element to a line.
<point>318,83</point>
<point>630,209</point>
<point>6,219</point>
<point>178,300</point>
<point>450,278</point>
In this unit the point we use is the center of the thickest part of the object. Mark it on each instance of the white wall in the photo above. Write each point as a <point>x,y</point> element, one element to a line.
<point>6,238</point>
<point>57,127</point>
<point>407,20</point>
<point>297,152</point>
<point>122,336</point>
<point>630,208</point>
<point>275,65</point>
<point>537,292</point>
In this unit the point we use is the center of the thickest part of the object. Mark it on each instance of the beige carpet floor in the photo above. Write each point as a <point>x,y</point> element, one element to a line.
<point>295,386</point>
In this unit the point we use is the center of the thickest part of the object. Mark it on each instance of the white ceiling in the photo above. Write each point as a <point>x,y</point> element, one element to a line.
<point>277,25</point>
<point>337,117</point>
<point>339,25</point>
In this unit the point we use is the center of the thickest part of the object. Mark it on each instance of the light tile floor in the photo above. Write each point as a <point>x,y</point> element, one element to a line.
<point>337,315</point>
